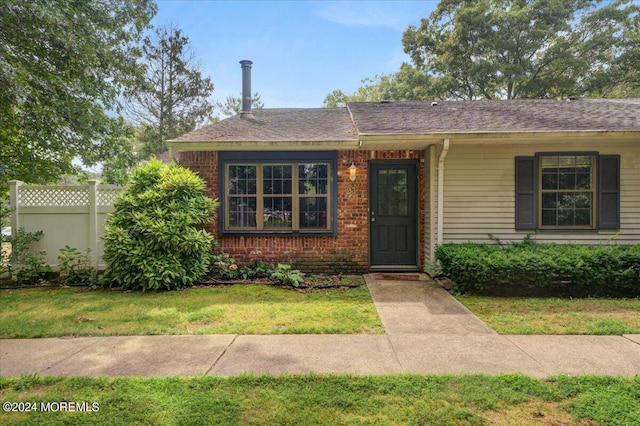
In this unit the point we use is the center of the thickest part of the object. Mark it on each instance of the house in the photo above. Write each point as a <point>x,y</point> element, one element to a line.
<point>377,185</point>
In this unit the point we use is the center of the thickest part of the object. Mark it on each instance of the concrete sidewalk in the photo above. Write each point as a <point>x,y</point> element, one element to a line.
<point>427,331</point>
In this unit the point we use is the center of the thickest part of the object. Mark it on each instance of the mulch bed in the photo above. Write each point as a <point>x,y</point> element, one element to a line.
<point>324,282</point>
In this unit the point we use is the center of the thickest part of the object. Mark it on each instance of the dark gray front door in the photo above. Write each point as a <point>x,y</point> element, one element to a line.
<point>393,215</point>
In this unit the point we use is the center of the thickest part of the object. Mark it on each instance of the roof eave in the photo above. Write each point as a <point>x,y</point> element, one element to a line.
<point>272,145</point>
<point>407,140</point>
<point>423,140</point>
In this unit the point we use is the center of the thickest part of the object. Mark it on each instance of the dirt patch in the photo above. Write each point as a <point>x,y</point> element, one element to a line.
<point>534,413</point>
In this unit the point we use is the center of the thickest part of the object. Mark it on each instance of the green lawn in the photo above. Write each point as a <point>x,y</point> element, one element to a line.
<point>262,309</point>
<point>552,315</point>
<point>329,400</point>
<point>238,309</point>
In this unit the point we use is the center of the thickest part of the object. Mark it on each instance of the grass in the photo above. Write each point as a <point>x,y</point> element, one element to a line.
<point>330,400</point>
<point>239,309</point>
<point>552,315</point>
<point>262,309</point>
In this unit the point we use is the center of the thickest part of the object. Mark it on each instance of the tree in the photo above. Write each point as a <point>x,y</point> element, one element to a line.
<point>63,66</point>
<point>233,105</point>
<point>408,84</point>
<point>120,155</point>
<point>174,98</point>
<point>493,49</point>
<point>527,48</point>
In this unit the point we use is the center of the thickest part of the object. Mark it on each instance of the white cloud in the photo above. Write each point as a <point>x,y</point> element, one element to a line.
<point>373,14</point>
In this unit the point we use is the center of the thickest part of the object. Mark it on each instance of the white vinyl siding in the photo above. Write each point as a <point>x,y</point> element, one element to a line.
<point>479,192</point>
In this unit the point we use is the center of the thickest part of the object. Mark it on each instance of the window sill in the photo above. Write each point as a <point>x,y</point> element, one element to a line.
<point>327,233</point>
<point>560,231</point>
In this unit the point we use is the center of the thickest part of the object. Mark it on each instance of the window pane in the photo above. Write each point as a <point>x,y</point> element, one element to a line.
<point>313,178</point>
<point>583,217</point>
<point>567,180</point>
<point>583,201</point>
<point>565,217</point>
<point>567,172</point>
<point>392,193</point>
<point>549,161</point>
<point>583,180</point>
<point>549,217</point>
<point>276,179</point>
<point>267,186</point>
<point>277,212</point>
<point>242,212</point>
<point>567,209</point>
<point>242,180</point>
<point>313,212</point>
<point>566,200</point>
<point>549,200</point>
<point>550,179</point>
<point>584,161</point>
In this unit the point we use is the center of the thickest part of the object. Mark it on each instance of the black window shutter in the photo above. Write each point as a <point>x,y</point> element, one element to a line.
<point>526,193</point>
<point>609,192</point>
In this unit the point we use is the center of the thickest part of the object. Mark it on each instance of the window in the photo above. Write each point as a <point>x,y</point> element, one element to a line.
<point>276,196</point>
<point>568,191</point>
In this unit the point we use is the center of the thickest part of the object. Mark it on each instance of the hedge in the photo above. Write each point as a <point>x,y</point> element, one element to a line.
<point>590,270</point>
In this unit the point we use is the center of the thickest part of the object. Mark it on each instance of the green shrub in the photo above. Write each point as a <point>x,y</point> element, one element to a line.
<point>24,265</point>
<point>594,270</point>
<point>224,266</point>
<point>75,266</point>
<point>286,276</point>
<point>154,238</point>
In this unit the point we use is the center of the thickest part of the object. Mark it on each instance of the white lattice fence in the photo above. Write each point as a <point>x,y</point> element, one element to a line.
<point>54,196</point>
<point>67,215</point>
<point>107,195</point>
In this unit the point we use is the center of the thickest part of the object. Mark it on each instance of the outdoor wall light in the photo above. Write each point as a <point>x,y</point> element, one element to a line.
<point>352,172</point>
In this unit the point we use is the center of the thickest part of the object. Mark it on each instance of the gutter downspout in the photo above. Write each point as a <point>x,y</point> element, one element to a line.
<point>443,155</point>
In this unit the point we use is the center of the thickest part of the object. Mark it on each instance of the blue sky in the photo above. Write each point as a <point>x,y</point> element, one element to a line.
<point>301,50</point>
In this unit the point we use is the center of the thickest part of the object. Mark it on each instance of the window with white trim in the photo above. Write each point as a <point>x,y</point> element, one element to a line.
<point>567,191</point>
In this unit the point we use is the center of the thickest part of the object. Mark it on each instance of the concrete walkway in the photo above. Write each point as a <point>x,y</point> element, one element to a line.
<point>427,331</point>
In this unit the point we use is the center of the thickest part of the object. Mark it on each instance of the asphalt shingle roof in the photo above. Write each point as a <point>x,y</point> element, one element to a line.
<point>423,118</point>
<point>285,125</point>
<point>519,115</point>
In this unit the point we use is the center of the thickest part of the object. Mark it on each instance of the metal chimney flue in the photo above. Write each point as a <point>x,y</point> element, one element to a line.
<point>246,89</point>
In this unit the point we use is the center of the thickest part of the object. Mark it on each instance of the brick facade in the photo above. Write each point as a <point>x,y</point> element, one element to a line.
<point>347,252</point>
